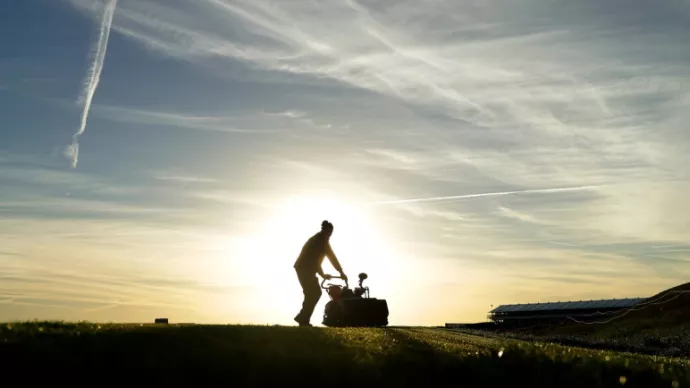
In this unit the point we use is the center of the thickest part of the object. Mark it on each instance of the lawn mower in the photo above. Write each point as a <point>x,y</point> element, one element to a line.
<point>353,307</point>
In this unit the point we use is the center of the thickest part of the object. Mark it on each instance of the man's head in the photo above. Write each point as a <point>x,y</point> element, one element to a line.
<point>327,228</point>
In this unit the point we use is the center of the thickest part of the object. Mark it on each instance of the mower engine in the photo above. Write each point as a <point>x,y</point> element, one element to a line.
<point>354,308</point>
<point>335,292</point>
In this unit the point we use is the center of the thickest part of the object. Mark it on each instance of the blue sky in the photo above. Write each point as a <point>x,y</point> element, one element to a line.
<point>468,153</point>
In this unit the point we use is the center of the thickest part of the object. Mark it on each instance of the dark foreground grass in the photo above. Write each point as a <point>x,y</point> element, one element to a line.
<point>200,355</point>
<point>660,342</point>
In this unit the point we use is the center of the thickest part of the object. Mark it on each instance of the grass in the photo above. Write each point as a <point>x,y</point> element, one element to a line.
<point>657,341</point>
<point>85,354</point>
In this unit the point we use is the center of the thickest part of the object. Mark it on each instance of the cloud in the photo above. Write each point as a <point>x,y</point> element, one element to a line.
<point>29,179</point>
<point>220,123</point>
<point>520,216</point>
<point>106,290</point>
<point>293,114</point>
<point>396,157</point>
<point>301,117</point>
<point>230,197</point>
<point>565,244</point>
<point>185,179</point>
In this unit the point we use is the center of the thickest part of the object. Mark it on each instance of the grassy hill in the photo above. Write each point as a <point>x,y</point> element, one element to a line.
<point>666,313</point>
<point>83,354</point>
<point>658,326</point>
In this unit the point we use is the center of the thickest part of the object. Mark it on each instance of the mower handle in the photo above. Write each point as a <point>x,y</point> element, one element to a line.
<point>333,277</point>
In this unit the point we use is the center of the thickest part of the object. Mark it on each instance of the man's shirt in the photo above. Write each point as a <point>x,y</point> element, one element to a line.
<point>313,252</point>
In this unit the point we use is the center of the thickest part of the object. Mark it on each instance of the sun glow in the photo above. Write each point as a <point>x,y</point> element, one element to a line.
<point>270,251</point>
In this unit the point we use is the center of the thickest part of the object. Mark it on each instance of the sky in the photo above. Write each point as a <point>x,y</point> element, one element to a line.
<point>168,158</point>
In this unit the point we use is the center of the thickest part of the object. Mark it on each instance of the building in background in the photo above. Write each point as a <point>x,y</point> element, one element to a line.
<point>559,312</point>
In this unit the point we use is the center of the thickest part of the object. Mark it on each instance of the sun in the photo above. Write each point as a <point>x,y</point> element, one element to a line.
<point>270,251</point>
<point>357,239</point>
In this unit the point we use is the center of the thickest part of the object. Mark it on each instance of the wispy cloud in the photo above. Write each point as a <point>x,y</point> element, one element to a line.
<point>300,116</point>
<point>93,78</point>
<point>185,179</point>
<point>220,123</point>
<point>293,114</point>
<point>564,244</point>
<point>517,215</point>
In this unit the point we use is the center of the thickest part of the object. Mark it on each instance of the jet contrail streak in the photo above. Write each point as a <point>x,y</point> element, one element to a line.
<point>494,194</point>
<point>92,78</point>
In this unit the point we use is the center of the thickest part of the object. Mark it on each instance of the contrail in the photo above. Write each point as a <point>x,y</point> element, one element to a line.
<point>92,78</point>
<point>494,194</point>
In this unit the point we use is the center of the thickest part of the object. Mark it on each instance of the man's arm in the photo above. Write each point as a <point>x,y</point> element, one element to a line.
<point>334,260</point>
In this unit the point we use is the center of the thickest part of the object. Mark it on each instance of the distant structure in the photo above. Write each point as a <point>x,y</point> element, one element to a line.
<point>161,320</point>
<point>556,312</point>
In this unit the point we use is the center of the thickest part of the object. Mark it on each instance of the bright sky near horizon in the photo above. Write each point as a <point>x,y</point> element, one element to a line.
<point>170,157</point>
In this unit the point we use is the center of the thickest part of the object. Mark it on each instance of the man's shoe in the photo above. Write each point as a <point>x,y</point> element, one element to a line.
<point>301,322</point>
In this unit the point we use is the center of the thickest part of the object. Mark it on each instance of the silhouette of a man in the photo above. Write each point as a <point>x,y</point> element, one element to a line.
<point>308,264</point>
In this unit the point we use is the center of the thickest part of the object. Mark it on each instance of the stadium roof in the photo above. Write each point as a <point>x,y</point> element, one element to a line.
<point>584,304</point>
